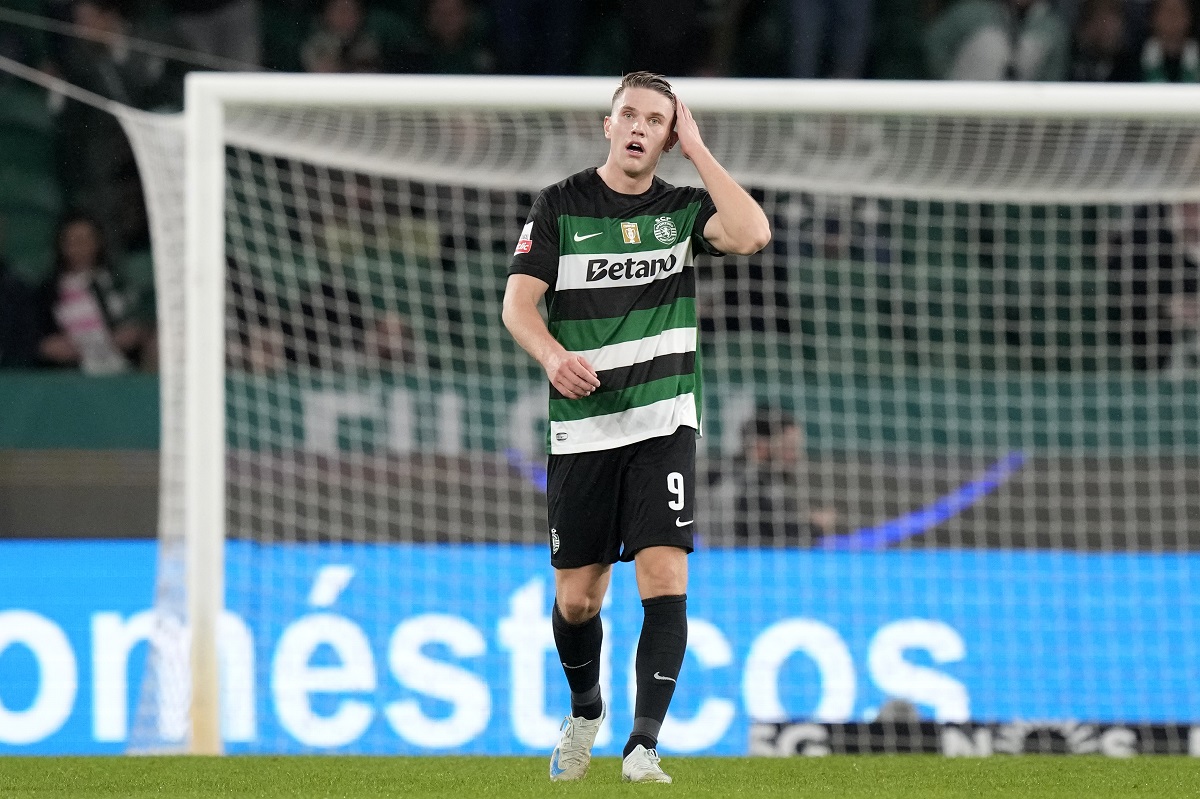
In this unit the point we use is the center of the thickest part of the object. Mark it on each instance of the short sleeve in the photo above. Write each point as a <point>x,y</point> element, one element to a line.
<point>537,247</point>
<point>707,211</point>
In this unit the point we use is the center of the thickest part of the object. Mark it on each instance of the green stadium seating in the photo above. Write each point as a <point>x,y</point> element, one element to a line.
<point>30,196</point>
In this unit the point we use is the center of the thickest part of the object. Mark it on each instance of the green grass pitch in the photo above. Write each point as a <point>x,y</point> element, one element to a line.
<point>875,777</point>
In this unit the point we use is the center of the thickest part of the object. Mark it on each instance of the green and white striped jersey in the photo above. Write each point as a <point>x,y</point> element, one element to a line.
<point>623,295</point>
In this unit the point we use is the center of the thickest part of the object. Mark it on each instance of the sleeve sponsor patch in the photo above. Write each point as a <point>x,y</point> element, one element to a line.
<point>525,243</point>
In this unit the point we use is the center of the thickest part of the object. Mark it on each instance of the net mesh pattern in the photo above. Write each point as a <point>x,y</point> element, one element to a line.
<point>967,334</point>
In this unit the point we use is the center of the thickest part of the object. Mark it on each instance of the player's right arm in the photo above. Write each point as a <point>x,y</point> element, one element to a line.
<point>569,372</point>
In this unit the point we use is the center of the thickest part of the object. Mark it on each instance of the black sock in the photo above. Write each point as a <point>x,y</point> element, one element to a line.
<point>659,656</point>
<point>634,740</point>
<point>579,651</point>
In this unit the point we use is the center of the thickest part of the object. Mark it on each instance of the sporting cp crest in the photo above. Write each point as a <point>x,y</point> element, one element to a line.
<point>629,232</point>
<point>664,230</point>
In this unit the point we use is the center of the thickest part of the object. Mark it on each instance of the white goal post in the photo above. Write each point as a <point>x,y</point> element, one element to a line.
<point>1085,112</point>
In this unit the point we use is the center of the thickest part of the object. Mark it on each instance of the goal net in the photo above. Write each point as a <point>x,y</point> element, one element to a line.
<point>949,469</point>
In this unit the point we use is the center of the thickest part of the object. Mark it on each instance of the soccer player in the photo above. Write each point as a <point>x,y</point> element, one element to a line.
<point>610,249</point>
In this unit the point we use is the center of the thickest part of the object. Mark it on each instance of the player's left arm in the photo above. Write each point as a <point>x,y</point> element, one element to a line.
<point>739,227</point>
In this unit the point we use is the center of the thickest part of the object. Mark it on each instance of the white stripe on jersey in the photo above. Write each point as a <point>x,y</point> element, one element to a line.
<point>627,353</point>
<point>574,270</point>
<point>626,427</point>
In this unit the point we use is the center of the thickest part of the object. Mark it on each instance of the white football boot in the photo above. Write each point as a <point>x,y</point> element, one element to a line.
<point>641,765</point>
<point>573,755</point>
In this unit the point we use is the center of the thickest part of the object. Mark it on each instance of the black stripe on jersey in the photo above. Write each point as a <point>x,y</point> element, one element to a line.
<point>677,363</point>
<point>606,303</point>
<point>585,194</point>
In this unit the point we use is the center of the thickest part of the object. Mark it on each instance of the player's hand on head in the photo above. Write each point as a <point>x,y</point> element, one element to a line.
<point>686,131</point>
<point>572,375</point>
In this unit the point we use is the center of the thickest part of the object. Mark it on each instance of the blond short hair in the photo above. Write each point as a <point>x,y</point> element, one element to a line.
<point>645,80</point>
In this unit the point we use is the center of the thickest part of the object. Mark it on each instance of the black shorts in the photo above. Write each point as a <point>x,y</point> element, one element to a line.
<point>605,506</point>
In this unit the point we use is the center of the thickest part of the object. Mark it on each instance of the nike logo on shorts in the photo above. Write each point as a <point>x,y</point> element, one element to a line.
<point>681,523</point>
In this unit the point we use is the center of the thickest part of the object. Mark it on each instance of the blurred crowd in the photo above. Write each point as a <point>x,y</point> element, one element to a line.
<point>1126,40</point>
<point>75,287</point>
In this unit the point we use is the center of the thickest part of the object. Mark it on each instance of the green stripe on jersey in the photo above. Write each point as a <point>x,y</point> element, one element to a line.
<point>572,410</point>
<point>578,335</point>
<point>585,235</point>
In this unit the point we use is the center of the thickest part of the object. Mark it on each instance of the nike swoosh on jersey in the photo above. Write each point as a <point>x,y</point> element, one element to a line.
<point>658,676</point>
<point>680,523</point>
<point>588,236</point>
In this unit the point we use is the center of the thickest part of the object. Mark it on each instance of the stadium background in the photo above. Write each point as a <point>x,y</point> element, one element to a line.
<point>80,463</point>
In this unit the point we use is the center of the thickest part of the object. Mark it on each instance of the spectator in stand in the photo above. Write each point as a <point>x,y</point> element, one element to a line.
<point>1152,286</point>
<point>87,318</point>
<point>1183,307</point>
<point>452,40</point>
<point>96,165</point>
<point>340,331</point>
<point>829,38</point>
<point>998,40</point>
<point>342,41</point>
<point>390,343</point>
<point>111,68</point>
<point>1170,53</point>
<point>763,500</point>
<point>225,28</point>
<point>537,37</point>
<point>336,330</point>
<point>18,325</point>
<point>259,326</point>
<point>1184,312</point>
<point>1099,53</point>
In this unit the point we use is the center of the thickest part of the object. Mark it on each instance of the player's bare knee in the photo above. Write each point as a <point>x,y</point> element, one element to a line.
<point>576,608</point>
<point>662,572</point>
<point>661,586</point>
